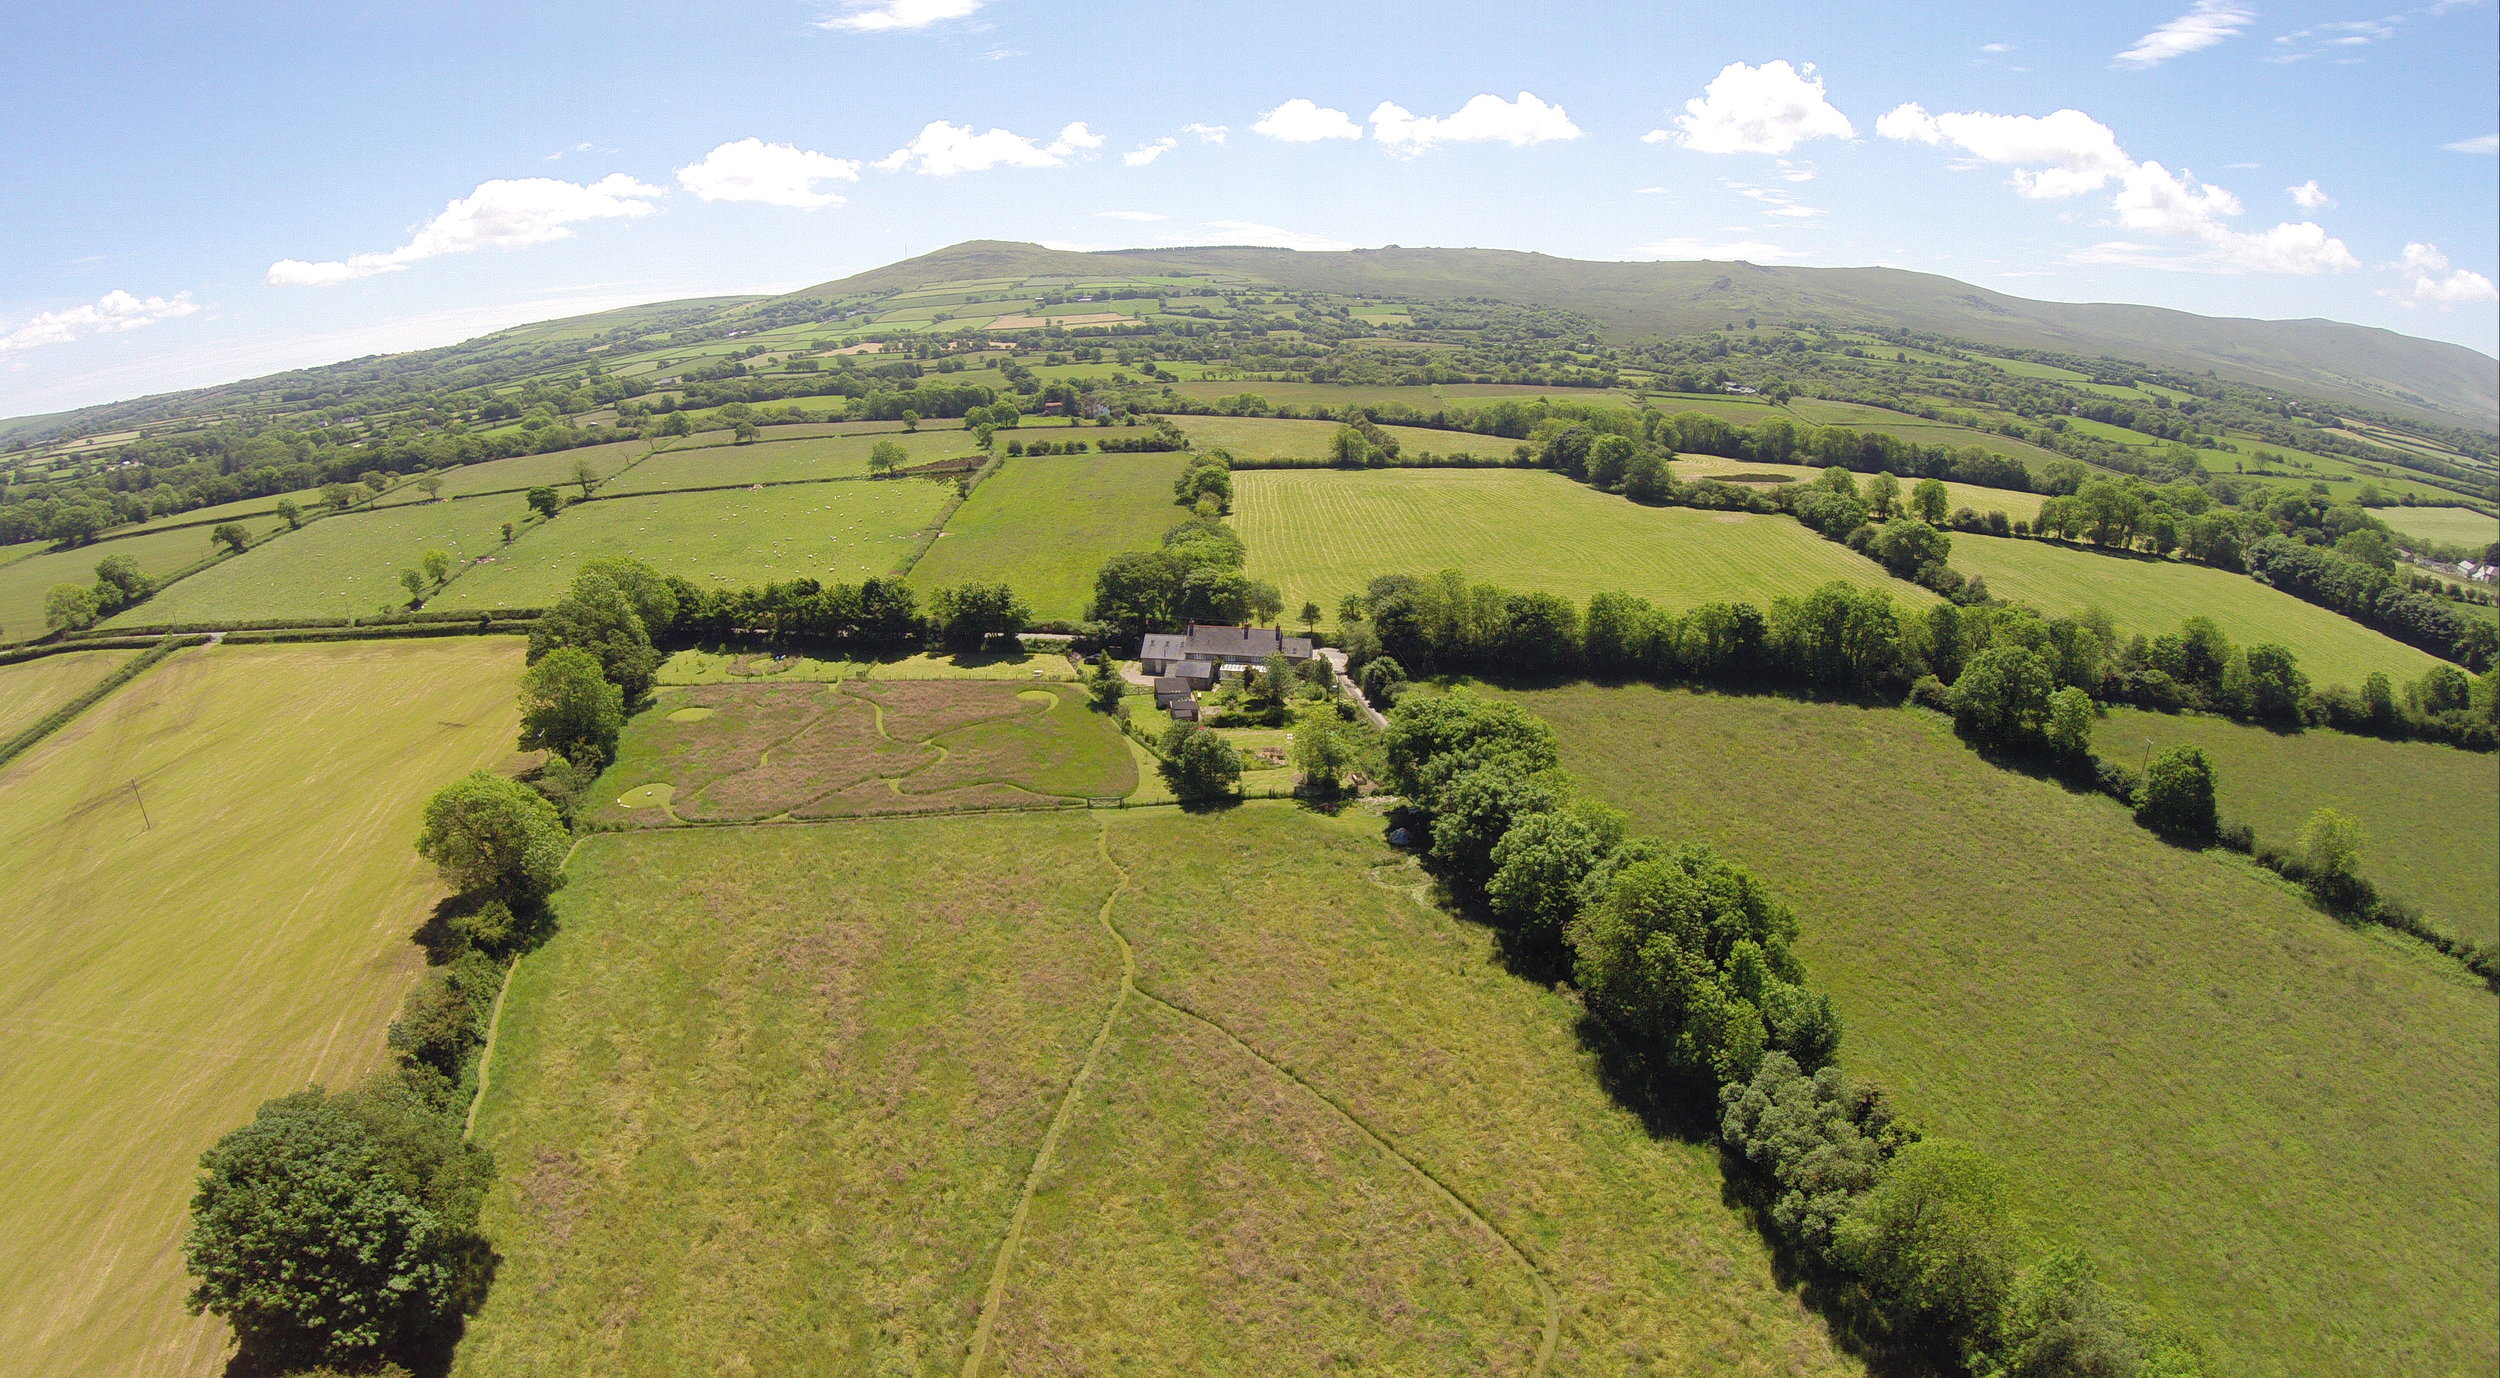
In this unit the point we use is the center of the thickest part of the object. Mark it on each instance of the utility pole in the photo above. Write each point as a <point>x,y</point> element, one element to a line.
<point>145,824</point>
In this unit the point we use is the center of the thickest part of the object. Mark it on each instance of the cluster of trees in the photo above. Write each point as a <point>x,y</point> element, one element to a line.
<point>340,1228</point>
<point>1689,963</point>
<point>2357,579</point>
<point>1196,576</point>
<point>1206,486</point>
<point>119,583</point>
<point>1843,638</point>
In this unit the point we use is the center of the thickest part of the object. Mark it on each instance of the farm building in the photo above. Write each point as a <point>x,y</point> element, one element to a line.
<point>1200,656</point>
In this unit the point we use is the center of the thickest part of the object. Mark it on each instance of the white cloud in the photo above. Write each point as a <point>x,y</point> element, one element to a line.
<point>2309,196</point>
<point>1767,109</point>
<point>1299,121</point>
<point>501,214</point>
<point>1208,133</point>
<point>2430,282</point>
<point>1130,215</point>
<point>1270,237</point>
<point>1996,47</point>
<point>2339,42</point>
<point>1793,172</point>
<point>1483,119</point>
<point>941,149</point>
<point>1147,153</point>
<point>582,147</point>
<point>110,314</point>
<point>775,174</point>
<point>2068,153</point>
<point>2487,145</point>
<point>1745,250</point>
<point>886,16</point>
<point>1780,202</point>
<point>2208,23</point>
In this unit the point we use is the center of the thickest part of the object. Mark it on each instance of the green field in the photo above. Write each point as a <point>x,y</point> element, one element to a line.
<point>2014,503</point>
<point>730,752</point>
<point>23,583</point>
<point>2434,834</point>
<point>1258,437</point>
<point>163,972</point>
<point>1325,534</point>
<point>781,461</point>
<point>2155,596</point>
<point>761,1084</point>
<point>309,499</point>
<point>523,472</point>
<point>1043,524</point>
<point>2275,1128</point>
<point>830,531</point>
<point>342,566</point>
<point>2454,525</point>
<point>30,689</point>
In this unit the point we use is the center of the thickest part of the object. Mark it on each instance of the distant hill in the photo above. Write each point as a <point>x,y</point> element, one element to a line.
<point>2354,364</point>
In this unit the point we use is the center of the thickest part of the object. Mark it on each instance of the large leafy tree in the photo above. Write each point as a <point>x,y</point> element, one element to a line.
<point>569,707</point>
<point>1935,1240</point>
<point>597,615</point>
<point>2178,795</point>
<point>491,835</point>
<point>1198,764</point>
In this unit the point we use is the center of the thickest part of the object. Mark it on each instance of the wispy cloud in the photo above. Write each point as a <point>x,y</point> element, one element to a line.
<point>110,314</point>
<point>2209,23</point>
<point>2487,145</point>
<point>1147,153</point>
<point>1270,237</point>
<point>1744,250</point>
<point>501,214</point>
<point>1130,215</point>
<point>941,149</point>
<point>1208,133</point>
<point>888,16</point>
<point>1781,203</point>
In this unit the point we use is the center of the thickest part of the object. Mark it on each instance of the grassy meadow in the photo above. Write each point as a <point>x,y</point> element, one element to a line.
<point>1043,524</point>
<point>1257,437</point>
<point>2454,525</point>
<point>523,472</point>
<point>2273,1127</point>
<point>210,896</point>
<point>2014,503</point>
<point>1322,535</point>
<point>24,582</point>
<point>2154,596</point>
<point>761,1081</point>
<point>31,689</point>
<point>2434,834</point>
<point>831,531</point>
<point>781,461</point>
<point>344,566</point>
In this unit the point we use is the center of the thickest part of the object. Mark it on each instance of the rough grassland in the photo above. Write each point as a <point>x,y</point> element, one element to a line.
<point>343,566</point>
<point>32,688</point>
<point>23,583</point>
<point>843,532</point>
<point>161,975</point>
<point>1255,437</point>
<point>2270,1125</point>
<point>2429,810</point>
<point>736,752</point>
<point>1320,536</point>
<point>1044,523</point>
<point>2155,596</point>
<point>781,461</point>
<point>767,1101</point>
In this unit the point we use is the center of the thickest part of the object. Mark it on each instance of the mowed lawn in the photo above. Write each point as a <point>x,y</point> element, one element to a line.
<point>781,461</point>
<point>210,894</point>
<point>23,583</point>
<point>1322,535</point>
<point>2155,596</point>
<point>842,532</point>
<point>30,689</point>
<point>2455,525</point>
<point>1043,524</point>
<point>2432,812</point>
<point>344,566</point>
<point>2277,1129</point>
<point>782,1086</point>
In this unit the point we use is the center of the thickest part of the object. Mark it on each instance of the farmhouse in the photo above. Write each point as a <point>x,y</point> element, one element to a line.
<point>1200,656</point>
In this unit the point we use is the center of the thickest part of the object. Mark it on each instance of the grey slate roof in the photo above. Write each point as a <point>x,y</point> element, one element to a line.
<point>1213,643</point>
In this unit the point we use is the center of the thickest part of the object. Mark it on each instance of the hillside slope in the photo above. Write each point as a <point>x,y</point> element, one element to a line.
<point>2348,363</point>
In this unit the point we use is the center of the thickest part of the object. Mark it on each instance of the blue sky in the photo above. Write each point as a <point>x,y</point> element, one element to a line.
<point>209,192</point>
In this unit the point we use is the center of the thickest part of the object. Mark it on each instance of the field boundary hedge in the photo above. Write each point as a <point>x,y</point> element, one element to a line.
<point>60,717</point>
<point>946,513</point>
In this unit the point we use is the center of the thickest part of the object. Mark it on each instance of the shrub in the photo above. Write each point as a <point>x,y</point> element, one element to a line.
<point>2177,799</point>
<point>1198,764</point>
<point>1934,1240</point>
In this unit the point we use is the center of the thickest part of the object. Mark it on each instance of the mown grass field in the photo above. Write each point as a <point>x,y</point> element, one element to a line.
<point>24,582</point>
<point>523,472</point>
<point>2274,1127</point>
<point>830,531</point>
<point>1043,524</point>
<point>805,749</point>
<point>1320,536</point>
<point>163,972</point>
<point>764,1085</point>
<point>309,499</point>
<point>781,461</point>
<point>341,566</point>
<point>1259,437</point>
<point>2155,596</point>
<point>2014,503</point>
<point>30,689</point>
<point>2434,830</point>
<point>2455,525</point>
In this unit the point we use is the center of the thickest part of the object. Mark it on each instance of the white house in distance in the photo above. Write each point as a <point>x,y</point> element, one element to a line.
<point>1182,663</point>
